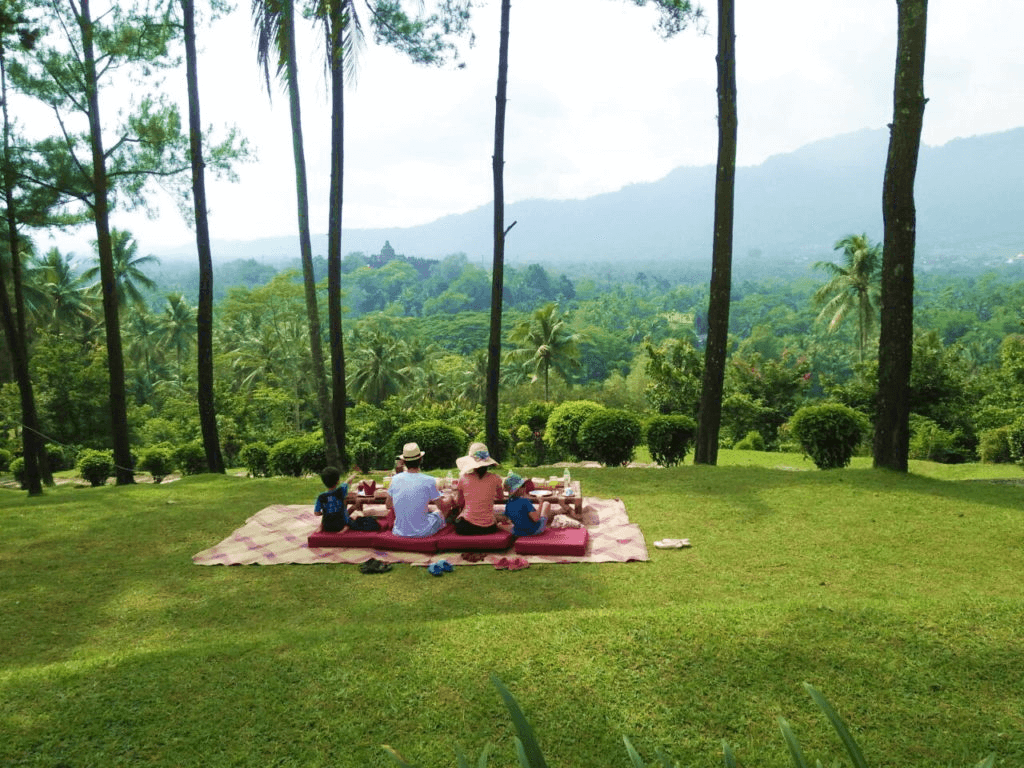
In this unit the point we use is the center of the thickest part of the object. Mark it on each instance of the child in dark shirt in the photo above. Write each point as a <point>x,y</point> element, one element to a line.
<point>331,503</point>
<point>526,521</point>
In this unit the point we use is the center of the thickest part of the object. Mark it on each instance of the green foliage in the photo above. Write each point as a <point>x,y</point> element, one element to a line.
<point>669,438</point>
<point>255,457</point>
<point>159,461</point>
<point>534,415</point>
<point>191,458</point>
<point>17,467</point>
<point>930,442</point>
<point>829,433</point>
<point>503,450</point>
<point>610,436</point>
<point>364,455</point>
<point>5,460</point>
<point>675,369</point>
<point>753,441</point>
<point>994,446</point>
<point>1015,439</point>
<point>297,456</point>
<point>95,466</point>
<point>563,427</point>
<point>441,442</point>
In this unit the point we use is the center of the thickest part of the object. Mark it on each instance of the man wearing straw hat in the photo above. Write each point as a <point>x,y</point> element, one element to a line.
<point>409,497</point>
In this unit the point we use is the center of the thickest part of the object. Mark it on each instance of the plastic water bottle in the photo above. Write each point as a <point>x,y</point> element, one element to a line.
<point>567,481</point>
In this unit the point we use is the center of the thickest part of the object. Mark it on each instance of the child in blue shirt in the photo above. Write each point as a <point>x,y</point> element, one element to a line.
<point>331,503</point>
<point>526,520</point>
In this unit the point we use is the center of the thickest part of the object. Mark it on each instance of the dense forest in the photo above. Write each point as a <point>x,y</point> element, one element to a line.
<point>417,333</point>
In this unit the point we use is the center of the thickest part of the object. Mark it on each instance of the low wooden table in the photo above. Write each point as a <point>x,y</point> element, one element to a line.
<point>571,503</point>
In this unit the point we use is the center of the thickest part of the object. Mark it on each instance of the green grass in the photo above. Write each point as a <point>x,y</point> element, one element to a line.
<point>898,597</point>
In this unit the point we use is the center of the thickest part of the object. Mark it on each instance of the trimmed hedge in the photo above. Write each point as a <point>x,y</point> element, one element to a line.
<point>95,466</point>
<point>563,427</point>
<point>669,438</point>
<point>610,436</point>
<point>255,457</point>
<point>158,460</point>
<point>441,442</point>
<point>829,433</point>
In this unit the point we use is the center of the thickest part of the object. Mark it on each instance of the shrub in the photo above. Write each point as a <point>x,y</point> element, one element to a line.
<point>534,415</point>
<point>669,438</point>
<point>313,453</point>
<point>994,446</point>
<point>95,466</point>
<point>563,427</point>
<point>17,467</point>
<point>286,457</point>
<point>255,457</point>
<point>829,433</point>
<point>158,460</point>
<point>5,460</point>
<point>55,455</point>
<point>442,443</point>
<point>930,442</point>
<point>1015,440</point>
<point>610,436</point>
<point>752,442</point>
<point>364,454</point>
<point>191,458</point>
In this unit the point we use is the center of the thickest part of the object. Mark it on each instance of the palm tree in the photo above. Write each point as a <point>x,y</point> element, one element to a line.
<point>274,24</point>
<point>545,343</point>
<point>63,295</point>
<point>178,328</point>
<point>379,367</point>
<point>129,279</point>
<point>854,287</point>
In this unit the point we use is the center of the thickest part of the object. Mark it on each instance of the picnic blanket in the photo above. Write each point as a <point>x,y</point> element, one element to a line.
<point>277,534</point>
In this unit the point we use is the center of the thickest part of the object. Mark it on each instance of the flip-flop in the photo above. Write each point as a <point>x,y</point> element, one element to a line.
<point>502,564</point>
<point>445,566</point>
<point>373,565</point>
<point>672,543</point>
<point>518,563</point>
<point>435,569</point>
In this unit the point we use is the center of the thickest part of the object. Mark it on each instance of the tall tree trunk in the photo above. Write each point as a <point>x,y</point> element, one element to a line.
<point>339,386</point>
<point>123,464</point>
<point>14,318</point>
<point>204,312</point>
<point>710,417</point>
<point>895,345</point>
<point>498,269</point>
<point>306,247</point>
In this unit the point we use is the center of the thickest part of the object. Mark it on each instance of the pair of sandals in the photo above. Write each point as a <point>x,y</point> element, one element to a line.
<point>672,543</point>
<point>373,565</point>
<point>512,563</point>
<point>440,568</point>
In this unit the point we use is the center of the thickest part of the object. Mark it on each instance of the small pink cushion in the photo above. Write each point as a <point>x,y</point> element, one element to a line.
<point>376,540</point>
<point>554,541</point>
<point>449,541</point>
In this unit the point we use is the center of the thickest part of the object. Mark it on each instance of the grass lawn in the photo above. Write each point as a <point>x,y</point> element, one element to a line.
<point>898,597</point>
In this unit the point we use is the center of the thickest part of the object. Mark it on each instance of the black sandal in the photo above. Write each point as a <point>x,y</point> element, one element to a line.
<point>373,565</point>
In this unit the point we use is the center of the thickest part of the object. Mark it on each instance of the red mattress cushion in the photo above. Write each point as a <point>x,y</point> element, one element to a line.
<point>449,541</point>
<point>554,541</point>
<point>377,540</point>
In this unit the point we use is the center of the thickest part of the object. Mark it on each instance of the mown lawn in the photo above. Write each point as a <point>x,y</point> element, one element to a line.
<point>899,597</point>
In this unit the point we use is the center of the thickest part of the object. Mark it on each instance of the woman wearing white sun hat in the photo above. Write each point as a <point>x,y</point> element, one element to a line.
<point>477,491</point>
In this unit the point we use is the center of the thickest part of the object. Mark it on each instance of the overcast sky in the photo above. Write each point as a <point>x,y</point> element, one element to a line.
<point>597,101</point>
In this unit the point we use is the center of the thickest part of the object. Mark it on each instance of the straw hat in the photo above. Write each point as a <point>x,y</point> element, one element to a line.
<point>411,452</point>
<point>478,456</point>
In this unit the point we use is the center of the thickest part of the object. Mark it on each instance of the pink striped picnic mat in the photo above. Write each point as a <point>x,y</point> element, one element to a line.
<point>277,534</point>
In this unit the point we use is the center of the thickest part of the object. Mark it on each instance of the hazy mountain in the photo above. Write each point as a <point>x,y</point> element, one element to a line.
<point>792,207</point>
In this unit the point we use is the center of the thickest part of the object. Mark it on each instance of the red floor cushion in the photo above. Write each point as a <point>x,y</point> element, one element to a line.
<point>554,541</point>
<point>376,540</point>
<point>449,541</point>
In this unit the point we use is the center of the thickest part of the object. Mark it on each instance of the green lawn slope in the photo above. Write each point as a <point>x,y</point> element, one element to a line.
<point>898,597</point>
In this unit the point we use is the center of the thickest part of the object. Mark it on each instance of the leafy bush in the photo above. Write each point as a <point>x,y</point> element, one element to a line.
<point>994,446</point>
<point>5,460</point>
<point>287,457</point>
<point>56,456</point>
<point>95,466</point>
<point>191,458</point>
<point>364,455</point>
<point>442,443</point>
<point>17,467</point>
<point>752,442</point>
<point>255,457</point>
<point>563,427</point>
<point>610,436</point>
<point>930,442</point>
<point>533,415</point>
<point>1015,439</point>
<point>829,433</point>
<point>669,438</point>
<point>158,460</point>
<point>313,456</point>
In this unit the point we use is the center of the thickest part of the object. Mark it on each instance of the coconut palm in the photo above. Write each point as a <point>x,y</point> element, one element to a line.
<point>545,343</point>
<point>129,279</point>
<point>379,366</point>
<point>178,326</point>
<point>61,295</point>
<point>854,287</point>
<point>274,25</point>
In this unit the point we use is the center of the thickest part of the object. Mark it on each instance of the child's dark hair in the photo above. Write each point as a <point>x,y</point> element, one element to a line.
<point>413,463</point>
<point>330,476</point>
